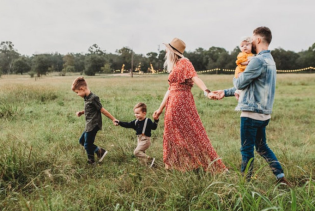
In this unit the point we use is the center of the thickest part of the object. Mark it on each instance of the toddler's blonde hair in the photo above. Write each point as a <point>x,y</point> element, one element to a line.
<point>245,39</point>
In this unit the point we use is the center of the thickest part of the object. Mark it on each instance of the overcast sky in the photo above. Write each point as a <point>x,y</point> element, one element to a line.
<point>65,26</point>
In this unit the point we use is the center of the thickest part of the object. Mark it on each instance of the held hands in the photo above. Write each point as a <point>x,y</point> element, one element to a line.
<point>156,114</point>
<point>116,122</point>
<point>216,95</point>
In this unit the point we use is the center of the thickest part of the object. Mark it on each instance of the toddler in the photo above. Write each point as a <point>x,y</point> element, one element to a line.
<point>243,58</point>
<point>143,127</point>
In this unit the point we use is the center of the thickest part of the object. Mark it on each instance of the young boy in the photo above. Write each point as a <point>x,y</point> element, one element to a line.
<point>243,59</point>
<point>92,110</point>
<point>143,127</point>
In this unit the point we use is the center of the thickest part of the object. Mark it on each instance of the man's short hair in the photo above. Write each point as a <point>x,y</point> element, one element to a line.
<point>78,83</point>
<point>264,32</point>
<point>142,106</point>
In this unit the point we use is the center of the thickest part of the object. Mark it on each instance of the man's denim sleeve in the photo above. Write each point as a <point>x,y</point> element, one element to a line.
<point>252,71</point>
<point>229,92</point>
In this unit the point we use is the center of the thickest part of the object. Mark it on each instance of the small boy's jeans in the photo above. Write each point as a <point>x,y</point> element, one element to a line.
<point>87,140</point>
<point>253,133</point>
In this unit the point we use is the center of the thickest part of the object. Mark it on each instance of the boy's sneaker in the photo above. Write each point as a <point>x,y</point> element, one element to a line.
<point>91,162</point>
<point>152,162</point>
<point>284,181</point>
<point>101,153</point>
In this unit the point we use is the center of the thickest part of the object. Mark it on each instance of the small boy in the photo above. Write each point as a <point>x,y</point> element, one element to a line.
<point>243,59</point>
<point>92,110</point>
<point>143,127</point>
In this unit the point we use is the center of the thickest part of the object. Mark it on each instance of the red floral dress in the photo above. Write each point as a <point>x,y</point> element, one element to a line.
<point>186,145</point>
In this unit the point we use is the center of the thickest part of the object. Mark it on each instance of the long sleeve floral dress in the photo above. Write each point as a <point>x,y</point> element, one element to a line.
<point>186,145</point>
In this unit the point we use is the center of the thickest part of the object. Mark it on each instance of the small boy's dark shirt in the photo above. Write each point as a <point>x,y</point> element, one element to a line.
<point>139,126</point>
<point>92,111</point>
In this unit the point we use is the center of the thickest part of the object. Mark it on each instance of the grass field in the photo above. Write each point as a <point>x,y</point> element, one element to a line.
<point>42,166</point>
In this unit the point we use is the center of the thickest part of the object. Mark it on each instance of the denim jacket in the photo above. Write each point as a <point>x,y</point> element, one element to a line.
<point>258,83</point>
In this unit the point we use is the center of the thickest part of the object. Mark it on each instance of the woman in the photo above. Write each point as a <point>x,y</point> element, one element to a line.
<point>186,145</point>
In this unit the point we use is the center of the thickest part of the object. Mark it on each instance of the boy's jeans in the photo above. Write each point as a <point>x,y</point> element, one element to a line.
<point>253,133</point>
<point>87,140</point>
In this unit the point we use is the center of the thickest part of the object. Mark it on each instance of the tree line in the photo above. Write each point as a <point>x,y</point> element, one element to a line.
<point>98,61</point>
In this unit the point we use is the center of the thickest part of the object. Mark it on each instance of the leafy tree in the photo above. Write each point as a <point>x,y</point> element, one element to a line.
<point>7,55</point>
<point>68,60</point>
<point>68,65</point>
<point>198,58</point>
<point>285,60</point>
<point>79,62</point>
<point>93,64</point>
<point>56,61</point>
<point>307,58</point>
<point>21,66</point>
<point>125,55</point>
<point>161,57</point>
<point>152,58</point>
<point>107,68</point>
<point>41,63</point>
<point>95,49</point>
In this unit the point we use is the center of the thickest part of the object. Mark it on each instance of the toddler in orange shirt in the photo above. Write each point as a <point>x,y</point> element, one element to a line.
<point>243,58</point>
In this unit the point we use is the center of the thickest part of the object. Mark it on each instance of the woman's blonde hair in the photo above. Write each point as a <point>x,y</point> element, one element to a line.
<point>170,60</point>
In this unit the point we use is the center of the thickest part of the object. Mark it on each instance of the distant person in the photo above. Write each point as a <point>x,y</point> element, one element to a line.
<point>243,59</point>
<point>258,83</point>
<point>143,126</point>
<point>186,145</point>
<point>92,110</point>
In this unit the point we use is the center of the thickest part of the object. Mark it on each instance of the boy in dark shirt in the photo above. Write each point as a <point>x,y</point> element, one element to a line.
<point>92,110</point>
<point>143,127</point>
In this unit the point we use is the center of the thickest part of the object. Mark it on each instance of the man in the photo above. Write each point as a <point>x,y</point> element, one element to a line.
<point>258,83</point>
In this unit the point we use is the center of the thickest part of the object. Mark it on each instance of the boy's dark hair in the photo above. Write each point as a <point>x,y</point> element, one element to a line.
<point>78,83</point>
<point>142,106</point>
<point>264,32</point>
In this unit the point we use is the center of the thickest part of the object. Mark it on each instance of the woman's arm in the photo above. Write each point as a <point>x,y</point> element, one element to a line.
<point>200,83</point>
<point>158,112</point>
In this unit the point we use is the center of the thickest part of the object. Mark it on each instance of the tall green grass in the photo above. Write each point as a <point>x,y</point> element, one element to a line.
<point>42,166</point>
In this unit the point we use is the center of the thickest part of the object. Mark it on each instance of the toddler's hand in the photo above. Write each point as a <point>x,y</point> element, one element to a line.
<point>79,113</point>
<point>156,114</point>
<point>237,96</point>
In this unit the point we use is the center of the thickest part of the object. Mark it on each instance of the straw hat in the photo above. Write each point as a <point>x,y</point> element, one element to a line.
<point>177,46</point>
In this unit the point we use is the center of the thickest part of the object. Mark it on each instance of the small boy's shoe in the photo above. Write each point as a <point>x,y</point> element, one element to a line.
<point>152,162</point>
<point>284,181</point>
<point>101,153</point>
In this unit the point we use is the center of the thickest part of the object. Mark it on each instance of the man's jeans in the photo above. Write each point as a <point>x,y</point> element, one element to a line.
<point>87,140</point>
<point>253,133</point>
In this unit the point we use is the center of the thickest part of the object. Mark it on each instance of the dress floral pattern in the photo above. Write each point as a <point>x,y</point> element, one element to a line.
<point>186,145</point>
